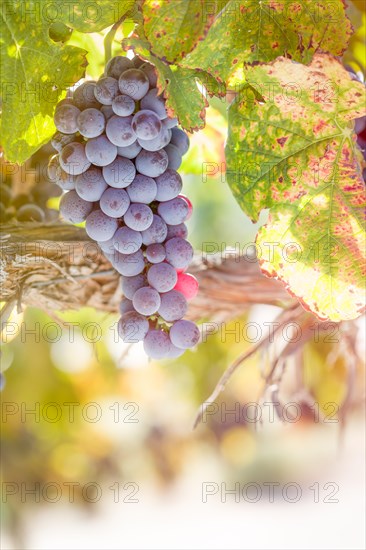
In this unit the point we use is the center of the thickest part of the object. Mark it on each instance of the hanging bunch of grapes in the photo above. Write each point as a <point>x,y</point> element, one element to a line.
<point>118,153</point>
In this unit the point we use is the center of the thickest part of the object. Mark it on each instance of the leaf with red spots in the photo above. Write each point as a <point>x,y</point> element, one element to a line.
<point>296,154</point>
<point>248,31</point>
<point>173,27</point>
<point>35,73</point>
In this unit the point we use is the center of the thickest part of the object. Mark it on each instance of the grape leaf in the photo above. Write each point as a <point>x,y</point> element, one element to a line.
<point>86,16</point>
<point>35,73</point>
<point>296,154</point>
<point>248,31</point>
<point>173,27</point>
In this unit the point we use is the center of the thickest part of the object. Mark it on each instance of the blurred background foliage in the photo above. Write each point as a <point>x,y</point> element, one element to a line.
<point>147,409</point>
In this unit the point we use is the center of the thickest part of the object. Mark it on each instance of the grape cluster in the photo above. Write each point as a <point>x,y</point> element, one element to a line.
<point>117,157</point>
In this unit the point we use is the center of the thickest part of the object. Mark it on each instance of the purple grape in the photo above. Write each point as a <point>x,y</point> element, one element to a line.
<point>66,181</point>
<point>119,173</point>
<point>106,90</point>
<point>66,118</point>
<point>73,159</point>
<point>100,151</point>
<point>91,185</point>
<point>156,233</point>
<point>152,164</point>
<point>117,65</point>
<point>138,217</point>
<point>157,143</point>
<point>137,62</point>
<point>169,185</point>
<point>114,202</point>
<point>131,284</point>
<point>174,156</point>
<point>128,265</point>
<point>179,230</point>
<point>73,208</point>
<point>107,111</point>
<point>155,253</point>
<point>100,227</point>
<point>179,252</point>
<point>131,151</point>
<point>127,241</point>
<point>120,132</point>
<point>170,123</point>
<point>107,246</point>
<point>174,352</point>
<point>59,140</point>
<point>132,327</point>
<point>157,344</point>
<point>184,334</point>
<point>146,124</point>
<point>163,277</point>
<point>54,168</point>
<point>174,212</point>
<point>134,83</point>
<point>84,97</point>
<point>123,105</point>
<point>91,123</point>
<point>142,190</point>
<point>180,140</point>
<point>154,102</point>
<point>146,301</point>
<point>173,306</point>
<point>150,72</point>
<point>125,306</point>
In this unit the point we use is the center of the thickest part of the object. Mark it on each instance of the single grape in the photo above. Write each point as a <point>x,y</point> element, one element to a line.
<point>174,352</point>
<point>123,105</point>
<point>154,102</point>
<point>131,284</point>
<point>157,143</point>
<point>91,123</point>
<point>189,204</point>
<point>179,230</point>
<point>173,306</point>
<point>119,173</point>
<point>169,185</point>
<point>180,140</point>
<point>132,327</point>
<point>53,168</point>
<point>131,151</point>
<point>179,252</point>
<point>134,83</point>
<point>114,202</point>
<point>66,118</point>
<point>163,277</point>
<point>100,151</point>
<point>73,158</point>
<point>156,233</point>
<point>137,61</point>
<point>30,213</point>
<point>66,181</point>
<point>106,90</point>
<point>84,97</point>
<point>100,227</point>
<point>152,164</point>
<point>184,334</point>
<point>125,306</point>
<point>73,208</point>
<point>146,124</point>
<point>91,185</point>
<point>150,72</point>
<point>59,140</point>
<point>155,253</point>
<point>169,123</point>
<point>146,301</point>
<point>128,265</point>
<point>157,344</point>
<point>188,285</point>
<point>142,190</point>
<point>117,65</point>
<point>174,211</point>
<point>107,246</point>
<point>127,241</point>
<point>120,132</point>
<point>174,156</point>
<point>107,111</point>
<point>138,217</point>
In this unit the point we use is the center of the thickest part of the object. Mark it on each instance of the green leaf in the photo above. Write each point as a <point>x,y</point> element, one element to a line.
<point>248,31</point>
<point>35,73</point>
<point>296,154</point>
<point>173,27</point>
<point>86,16</point>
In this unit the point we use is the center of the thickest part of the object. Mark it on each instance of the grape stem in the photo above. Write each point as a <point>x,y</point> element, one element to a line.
<point>109,37</point>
